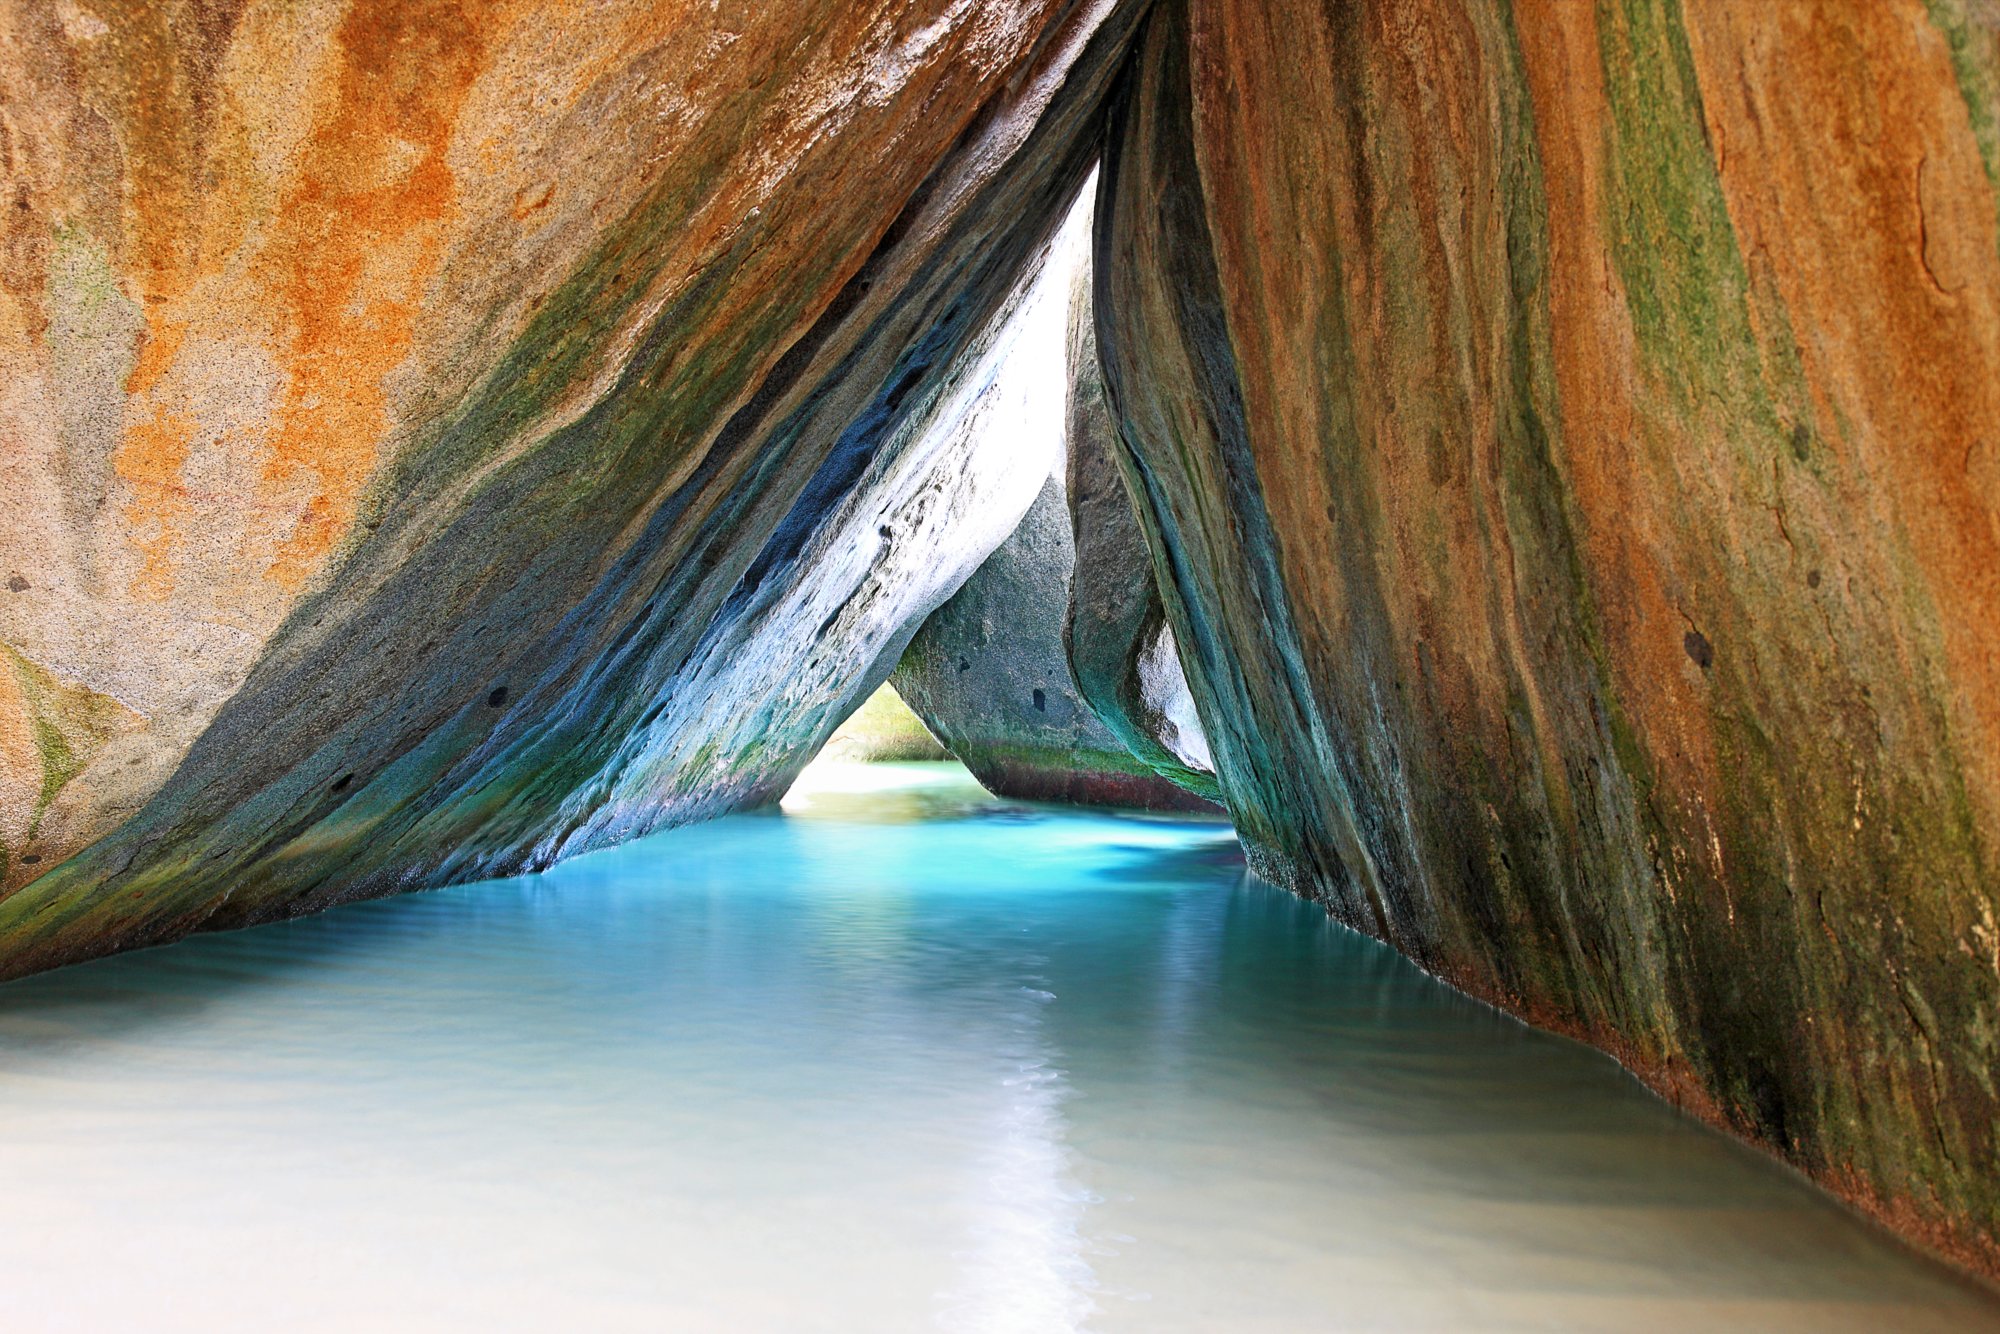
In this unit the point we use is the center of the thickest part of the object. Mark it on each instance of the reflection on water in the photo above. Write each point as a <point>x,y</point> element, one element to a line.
<point>901,1058</point>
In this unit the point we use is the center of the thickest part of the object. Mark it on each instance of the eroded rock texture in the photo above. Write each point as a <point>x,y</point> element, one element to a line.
<point>439,436</point>
<point>1569,436</point>
<point>1121,648</point>
<point>988,675</point>
<point>990,672</point>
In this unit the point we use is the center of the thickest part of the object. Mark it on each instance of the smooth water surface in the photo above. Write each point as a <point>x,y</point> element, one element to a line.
<point>903,1057</point>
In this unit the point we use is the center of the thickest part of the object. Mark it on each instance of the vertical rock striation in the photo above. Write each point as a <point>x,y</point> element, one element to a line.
<point>1121,648</point>
<point>439,436</point>
<point>1567,437</point>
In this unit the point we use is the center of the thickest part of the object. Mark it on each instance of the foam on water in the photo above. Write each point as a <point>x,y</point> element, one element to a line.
<point>900,1057</point>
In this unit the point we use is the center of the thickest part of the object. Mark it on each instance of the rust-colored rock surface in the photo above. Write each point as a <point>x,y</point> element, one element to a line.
<point>418,418</point>
<point>1571,439</point>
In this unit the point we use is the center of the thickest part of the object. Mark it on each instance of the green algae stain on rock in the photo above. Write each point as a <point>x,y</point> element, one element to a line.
<point>1684,279</point>
<point>50,731</point>
<point>71,723</point>
<point>1972,31</point>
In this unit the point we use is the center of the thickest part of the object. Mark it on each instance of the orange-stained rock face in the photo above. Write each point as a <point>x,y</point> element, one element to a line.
<point>363,362</point>
<point>1568,429</point>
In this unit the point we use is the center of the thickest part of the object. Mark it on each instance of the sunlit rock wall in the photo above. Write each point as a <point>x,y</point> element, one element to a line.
<point>800,645</point>
<point>412,414</point>
<point>990,671</point>
<point>1572,437</point>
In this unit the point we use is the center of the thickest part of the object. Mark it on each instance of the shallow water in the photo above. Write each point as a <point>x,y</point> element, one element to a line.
<point>901,1058</point>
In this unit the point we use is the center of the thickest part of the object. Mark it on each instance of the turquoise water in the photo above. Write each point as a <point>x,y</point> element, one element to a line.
<point>902,1057</point>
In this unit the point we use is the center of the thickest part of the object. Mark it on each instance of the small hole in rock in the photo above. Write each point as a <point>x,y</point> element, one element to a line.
<point>497,698</point>
<point>1041,702</point>
<point>1698,649</point>
<point>30,858</point>
<point>340,783</point>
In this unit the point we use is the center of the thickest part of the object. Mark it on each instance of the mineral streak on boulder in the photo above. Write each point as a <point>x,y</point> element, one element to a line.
<point>989,672</point>
<point>412,411</point>
<point>1568,436</point>
<point>1121,647</point>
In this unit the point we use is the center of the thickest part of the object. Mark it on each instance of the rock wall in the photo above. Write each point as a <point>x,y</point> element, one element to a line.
<point>1121,648</point>
<point>988,675</point>
<point>1569,439</point>
<point>426,424</point>
<point>991,671</point>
